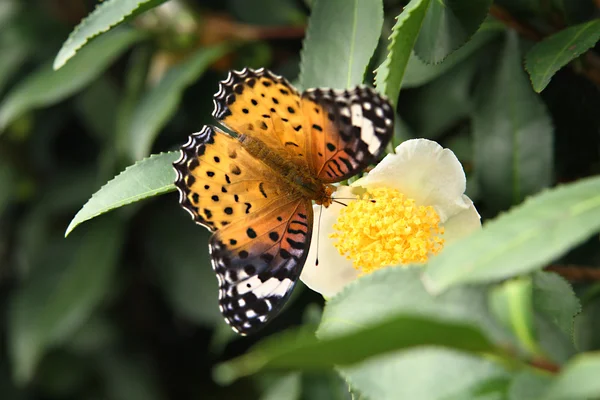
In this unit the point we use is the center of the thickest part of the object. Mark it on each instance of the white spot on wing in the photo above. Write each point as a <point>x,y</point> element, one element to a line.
<point>248,285</point>
<point>367,131</point>
<point>271,287</point>
<point>282,288</point>
<point>367,134</point>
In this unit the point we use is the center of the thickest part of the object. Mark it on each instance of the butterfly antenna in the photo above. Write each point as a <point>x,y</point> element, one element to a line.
<point>339,202</point>
<point>318,235</point>
<point>351,198</point>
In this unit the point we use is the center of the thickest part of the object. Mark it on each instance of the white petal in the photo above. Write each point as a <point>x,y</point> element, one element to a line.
<point>423,170</point>
<point>462,224</point>
<point>334,271</point>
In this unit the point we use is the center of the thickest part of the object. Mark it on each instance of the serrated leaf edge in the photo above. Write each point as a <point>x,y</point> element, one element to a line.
<point>170,188</point>
<point>400,20</point>
<point>529,62</point>
<point>63,57</point>
<point>467,40</point>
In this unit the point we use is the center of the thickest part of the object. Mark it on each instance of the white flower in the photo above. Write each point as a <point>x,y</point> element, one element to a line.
<point>414,205</point>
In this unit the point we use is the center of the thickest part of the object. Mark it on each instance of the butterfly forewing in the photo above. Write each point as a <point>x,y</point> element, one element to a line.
<point>265,106</point>
<point>219,182</point>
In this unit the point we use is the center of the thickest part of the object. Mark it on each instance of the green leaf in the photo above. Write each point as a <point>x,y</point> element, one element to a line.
<point>61,296</point>
<point>427,374</point>
<point>447,26</point>
<point>419,73</point>
<point>149,177</point>
<point>326,386</point>
<point>382,294</point>
<point>512,132</point>
<point>107,15</point>
<point>512,304</point>
<point>46,86</point>
<point>158,105</point>
<point>587,326</point>
<point>528,385</point>
<point>389,75</point>
<point>557,347</point>
<point>547,288</point>
<point>302,350</point>
<point>577,380</point>
<point>551,54</point>
<point>522,240</point>
<point>12,58</point>
<point>8,10</point>
<point>285,388</point>
<point>340,40</point>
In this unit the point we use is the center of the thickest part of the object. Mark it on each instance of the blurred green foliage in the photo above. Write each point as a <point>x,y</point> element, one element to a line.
<point>125,307</point>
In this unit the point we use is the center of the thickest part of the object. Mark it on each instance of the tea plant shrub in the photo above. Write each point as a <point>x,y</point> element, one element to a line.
<point>106,287</point>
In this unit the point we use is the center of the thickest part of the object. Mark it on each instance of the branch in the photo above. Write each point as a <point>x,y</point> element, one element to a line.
<point>522,28</point>
<point>575,273</point>
<point>545,365</point>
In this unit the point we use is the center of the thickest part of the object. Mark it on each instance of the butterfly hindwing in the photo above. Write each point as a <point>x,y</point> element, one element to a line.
<point>348,130</point>
<point>258,262</point>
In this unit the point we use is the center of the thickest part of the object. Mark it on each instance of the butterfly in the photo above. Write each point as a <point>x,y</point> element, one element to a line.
<point>255,189</point>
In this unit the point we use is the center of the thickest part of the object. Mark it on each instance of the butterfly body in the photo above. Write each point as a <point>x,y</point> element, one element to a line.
<point>255,191</point>
<point>298,179</point>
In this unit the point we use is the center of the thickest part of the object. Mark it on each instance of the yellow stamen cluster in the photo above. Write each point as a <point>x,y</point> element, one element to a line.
<point>386,228</point>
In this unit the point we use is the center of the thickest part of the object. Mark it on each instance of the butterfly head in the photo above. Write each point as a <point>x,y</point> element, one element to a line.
<point>326,197</point>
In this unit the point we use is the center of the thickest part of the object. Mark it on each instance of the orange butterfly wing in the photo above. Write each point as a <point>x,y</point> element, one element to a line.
<point>219,182</point>
<point>262,224</point>
<point>263,105</point>
<point>333,133</point>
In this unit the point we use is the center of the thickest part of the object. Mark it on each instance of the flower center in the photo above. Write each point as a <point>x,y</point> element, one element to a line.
<point>383,228</point>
